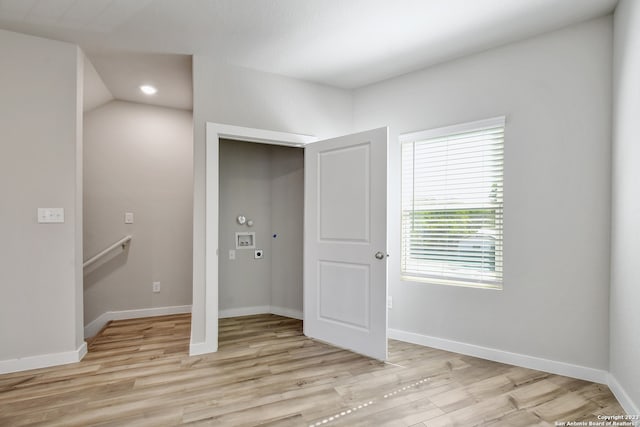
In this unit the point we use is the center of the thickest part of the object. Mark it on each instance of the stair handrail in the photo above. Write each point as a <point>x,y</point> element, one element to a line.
<point>122,242</point>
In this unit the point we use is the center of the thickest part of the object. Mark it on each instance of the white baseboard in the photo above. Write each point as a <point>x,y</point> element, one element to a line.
<point>43,360</point>
<point>287,312</point>
<point>97,324</point>
<point>243,311</point>
<point>261,309</point>
<point>625,401</point>
<point>201,348</point>
<point>82,350</point>
<point>531,362</point>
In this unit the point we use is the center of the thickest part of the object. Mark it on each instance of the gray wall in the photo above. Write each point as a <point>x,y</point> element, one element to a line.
<point>40,166</point>
<point>555,90</point>
<point>265,184</point>
<point>245,184</point>
<point>625,238</point>
<point>95,92</point>
<point>242,97</point>
<point>138,158</point>
<point>287,217</point>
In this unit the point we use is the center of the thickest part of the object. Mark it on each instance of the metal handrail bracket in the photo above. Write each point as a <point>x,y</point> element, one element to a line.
<point>122,242</point>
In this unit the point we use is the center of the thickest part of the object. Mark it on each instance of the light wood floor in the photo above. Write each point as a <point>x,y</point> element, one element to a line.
<point>266,372</point>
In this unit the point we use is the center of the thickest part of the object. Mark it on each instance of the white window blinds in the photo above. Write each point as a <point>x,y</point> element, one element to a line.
<point>452,204</point>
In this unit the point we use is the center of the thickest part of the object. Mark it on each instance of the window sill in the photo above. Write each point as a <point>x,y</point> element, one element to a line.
<point>458,283</point>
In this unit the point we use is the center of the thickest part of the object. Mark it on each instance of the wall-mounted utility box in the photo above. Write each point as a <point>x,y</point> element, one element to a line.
<point>246,240</point>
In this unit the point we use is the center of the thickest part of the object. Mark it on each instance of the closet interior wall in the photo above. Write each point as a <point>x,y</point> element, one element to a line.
<point>265,184</point>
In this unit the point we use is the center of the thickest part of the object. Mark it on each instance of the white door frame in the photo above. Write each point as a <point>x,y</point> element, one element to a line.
<point>214,132</point>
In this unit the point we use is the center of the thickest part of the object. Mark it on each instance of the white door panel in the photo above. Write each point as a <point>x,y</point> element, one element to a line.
<point>352,283</point>
<point>353,198</point>
<point>345,285</point>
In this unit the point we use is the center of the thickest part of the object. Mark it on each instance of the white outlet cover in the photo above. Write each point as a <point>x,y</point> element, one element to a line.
<point>128,218</point>
<point>50,215</point>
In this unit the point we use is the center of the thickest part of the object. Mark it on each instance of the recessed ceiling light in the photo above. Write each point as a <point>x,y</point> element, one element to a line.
<point>148,89</point>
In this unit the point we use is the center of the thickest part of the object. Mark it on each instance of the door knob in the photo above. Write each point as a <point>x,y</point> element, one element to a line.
<point>379,255</point>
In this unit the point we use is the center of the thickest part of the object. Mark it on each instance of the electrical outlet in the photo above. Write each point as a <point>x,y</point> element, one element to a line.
<point>128,217</point>
<point>156,287</point>
<point>389,301</point>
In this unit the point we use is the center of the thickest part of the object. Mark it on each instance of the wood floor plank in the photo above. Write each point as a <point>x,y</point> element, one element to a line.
<point>266,372</point>
<point>535,394</point>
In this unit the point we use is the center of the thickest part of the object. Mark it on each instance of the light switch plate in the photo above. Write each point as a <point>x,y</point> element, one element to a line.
<point>50,215</point>
<point>128,218</point>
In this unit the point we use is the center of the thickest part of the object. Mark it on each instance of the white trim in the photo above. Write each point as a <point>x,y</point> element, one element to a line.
<point>287,312</point>
<point>623,398</point>
<point>198,348</point>
<point>260,309</point>
<point>243,311</point>
<point>453,129</point>
<point>97,324</point>
<point>259,135</point>
<point>82,350</point>
<point>43,360</point>
<point>531,362</point>
<point>213,133</point>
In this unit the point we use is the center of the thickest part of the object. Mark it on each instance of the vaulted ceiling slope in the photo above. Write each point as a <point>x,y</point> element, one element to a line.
<point>343,43</point>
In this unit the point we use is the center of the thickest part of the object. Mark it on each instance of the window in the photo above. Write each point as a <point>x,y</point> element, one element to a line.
<point>452,204</point>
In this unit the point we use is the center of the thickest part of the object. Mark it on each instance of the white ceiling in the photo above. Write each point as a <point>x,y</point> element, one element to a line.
<point>344,43</point>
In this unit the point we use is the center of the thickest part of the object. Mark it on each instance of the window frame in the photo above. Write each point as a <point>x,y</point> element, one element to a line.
<point>418,136</point>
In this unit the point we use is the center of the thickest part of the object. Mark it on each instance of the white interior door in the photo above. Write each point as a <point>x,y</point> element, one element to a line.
<point>345,242</point>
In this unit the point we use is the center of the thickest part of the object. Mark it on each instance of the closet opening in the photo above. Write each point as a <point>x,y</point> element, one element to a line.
<point>260,240</point>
